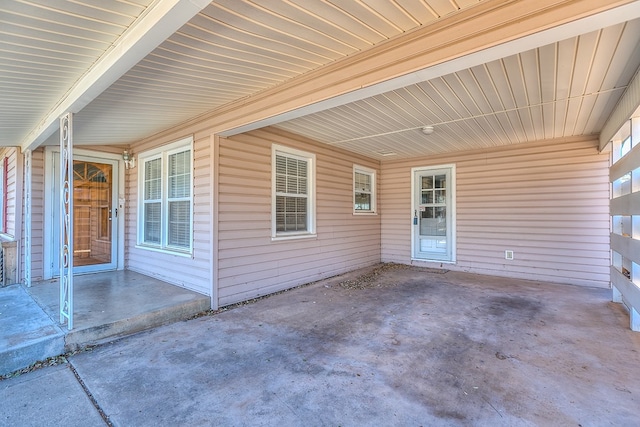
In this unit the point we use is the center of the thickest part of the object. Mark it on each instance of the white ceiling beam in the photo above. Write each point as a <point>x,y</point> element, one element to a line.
<point>159,22</point>
<point>501,29</point>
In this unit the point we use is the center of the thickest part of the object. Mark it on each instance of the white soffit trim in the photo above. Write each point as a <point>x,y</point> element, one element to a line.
<point>163,19</point>
<point>545,37</point>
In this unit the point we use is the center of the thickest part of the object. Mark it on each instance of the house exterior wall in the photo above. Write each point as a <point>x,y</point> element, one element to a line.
<point>37,216</point>
<point>10,235</point>
<point>547,201</point>
<point>250,263</point>
<point>191,272</point>
<point>13,157</point>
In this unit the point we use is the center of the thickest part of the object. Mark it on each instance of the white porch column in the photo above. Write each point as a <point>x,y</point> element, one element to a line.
<point>27,217</point>
<point>66,220</point>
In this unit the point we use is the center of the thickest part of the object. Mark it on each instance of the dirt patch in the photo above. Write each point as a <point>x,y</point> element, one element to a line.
<point>377,278</point>
<point>51,361</point>
<point>373,279</point>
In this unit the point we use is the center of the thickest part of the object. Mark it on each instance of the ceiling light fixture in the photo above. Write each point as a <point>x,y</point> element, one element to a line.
<point>427,130</point>
<point>387,153</point>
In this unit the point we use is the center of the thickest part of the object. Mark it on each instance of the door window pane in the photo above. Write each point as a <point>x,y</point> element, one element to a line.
<point>92,193</point>
<point>427,182</point>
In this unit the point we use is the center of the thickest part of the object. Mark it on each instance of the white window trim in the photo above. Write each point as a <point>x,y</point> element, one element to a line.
<point>163,152</point>
<point>374,190</point>
<point>311,194</point>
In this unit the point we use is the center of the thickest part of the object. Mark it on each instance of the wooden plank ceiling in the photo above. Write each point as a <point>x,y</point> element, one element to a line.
<point>234,49</point>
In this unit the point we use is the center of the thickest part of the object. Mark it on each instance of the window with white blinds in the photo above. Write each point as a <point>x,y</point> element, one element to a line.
<point>152,203</point>
<point>293,196</point>
<point>165,220</point>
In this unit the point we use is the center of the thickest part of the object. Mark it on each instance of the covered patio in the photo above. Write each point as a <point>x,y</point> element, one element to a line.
<point>485,136</point>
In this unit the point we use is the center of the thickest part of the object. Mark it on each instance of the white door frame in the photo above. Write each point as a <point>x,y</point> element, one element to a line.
<point>451,209</point>
<point>49,185</point>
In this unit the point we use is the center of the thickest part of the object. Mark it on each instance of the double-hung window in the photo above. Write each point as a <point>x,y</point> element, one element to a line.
<point>364,190</point>
<point>293,212</point>
<point>166,197</point>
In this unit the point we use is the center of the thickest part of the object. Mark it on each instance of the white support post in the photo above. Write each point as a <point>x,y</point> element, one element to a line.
<point>616,295</point>
<point>66,220</point>
<point>634,320</point>
<point>27,217</point>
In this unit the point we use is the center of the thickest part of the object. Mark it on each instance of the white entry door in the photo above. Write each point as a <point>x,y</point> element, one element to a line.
<point>433,226</point>
<point>95,204</point>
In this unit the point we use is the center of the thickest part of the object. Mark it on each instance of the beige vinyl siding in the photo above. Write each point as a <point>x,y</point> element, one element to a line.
<point>37,215</point>
<point>189,272</point>
<point>250,263</point>
<point>12,191</point>
<point>13,157</point>
<point>547,201</point>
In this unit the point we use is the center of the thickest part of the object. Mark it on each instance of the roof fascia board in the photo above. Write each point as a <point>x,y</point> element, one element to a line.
<point>155,26</point>
<point>493,29</point>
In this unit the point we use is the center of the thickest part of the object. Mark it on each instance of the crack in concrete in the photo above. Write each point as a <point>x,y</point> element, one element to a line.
<point>92,399</point>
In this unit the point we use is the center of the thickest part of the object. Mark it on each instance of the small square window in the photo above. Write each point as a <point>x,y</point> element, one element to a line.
<point>364,190</point>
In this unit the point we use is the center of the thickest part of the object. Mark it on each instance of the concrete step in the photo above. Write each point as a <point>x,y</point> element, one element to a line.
<point>27,333</point>
<point>108,331</point>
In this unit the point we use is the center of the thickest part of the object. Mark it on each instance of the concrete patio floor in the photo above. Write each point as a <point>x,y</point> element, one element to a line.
<point>116,303</point>
<point>386,346</point>
<point>106,306</point>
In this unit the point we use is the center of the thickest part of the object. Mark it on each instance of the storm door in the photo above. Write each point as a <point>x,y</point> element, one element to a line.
<point>433,214</point>
<point>94,215</point>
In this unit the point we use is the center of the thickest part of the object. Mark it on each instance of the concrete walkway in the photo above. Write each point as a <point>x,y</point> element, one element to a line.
<point>394,346</point>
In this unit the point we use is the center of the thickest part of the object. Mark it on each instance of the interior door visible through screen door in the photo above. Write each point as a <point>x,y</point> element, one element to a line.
<point>94,216</point>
